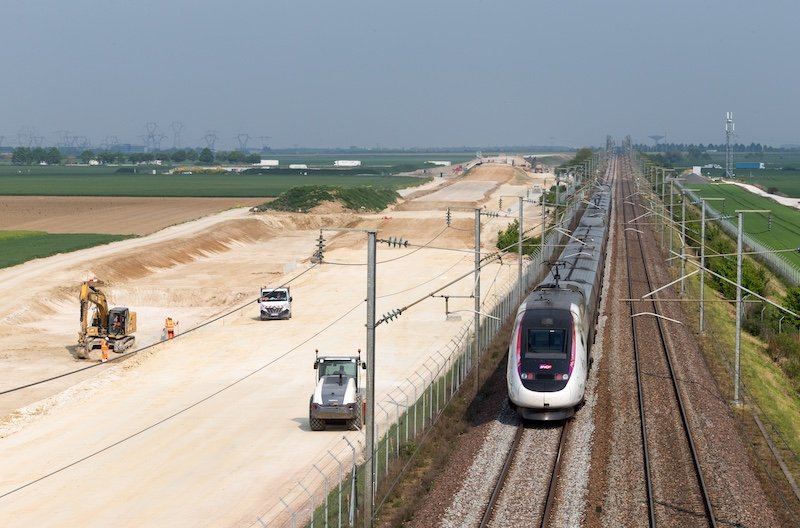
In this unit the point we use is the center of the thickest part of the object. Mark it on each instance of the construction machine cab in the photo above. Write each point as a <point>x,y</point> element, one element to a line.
<point>338,365</point>
<point>338,397</point>
<point>120,321</point>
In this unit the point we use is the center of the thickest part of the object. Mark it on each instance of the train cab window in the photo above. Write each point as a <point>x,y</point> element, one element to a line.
<point>546,343</point>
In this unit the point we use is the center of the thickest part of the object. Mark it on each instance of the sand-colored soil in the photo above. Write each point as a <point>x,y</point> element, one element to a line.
<point>211,429</point>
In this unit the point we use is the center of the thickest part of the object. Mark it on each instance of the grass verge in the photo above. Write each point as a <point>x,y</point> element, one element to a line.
<point>764,388</point>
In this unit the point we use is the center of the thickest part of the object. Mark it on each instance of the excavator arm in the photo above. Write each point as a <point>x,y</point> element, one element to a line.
<point>91,296</point>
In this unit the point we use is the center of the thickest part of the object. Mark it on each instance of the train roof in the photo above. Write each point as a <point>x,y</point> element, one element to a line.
<point>553,298</point>
<point>577,266</point>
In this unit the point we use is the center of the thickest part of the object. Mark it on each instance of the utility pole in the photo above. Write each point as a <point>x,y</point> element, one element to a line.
<point>729,128</point>
<point>703,259</point>
<point>477,299</point>
<point>369,486</point>
<point>683,236</point>
<point>520,288</point>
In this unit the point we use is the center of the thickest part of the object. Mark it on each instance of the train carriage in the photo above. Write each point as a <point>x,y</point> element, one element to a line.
<point>549,353</point>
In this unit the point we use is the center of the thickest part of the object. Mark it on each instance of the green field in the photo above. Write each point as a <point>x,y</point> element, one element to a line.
<point>105,181</point>
<point>772,160</point>
<point>782,170</point>
<point>17,247</point>
<point>785,229</point>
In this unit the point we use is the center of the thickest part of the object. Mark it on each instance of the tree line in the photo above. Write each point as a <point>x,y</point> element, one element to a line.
<point>702,148</point>
<point>53,156</point>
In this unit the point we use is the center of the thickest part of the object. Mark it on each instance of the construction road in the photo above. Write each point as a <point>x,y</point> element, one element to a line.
<point>211,428</point>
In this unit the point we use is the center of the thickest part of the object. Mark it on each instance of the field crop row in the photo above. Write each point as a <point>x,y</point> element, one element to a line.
<point>103,182</point>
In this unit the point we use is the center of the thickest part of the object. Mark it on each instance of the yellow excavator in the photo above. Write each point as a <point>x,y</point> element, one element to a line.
<point>117,325</point>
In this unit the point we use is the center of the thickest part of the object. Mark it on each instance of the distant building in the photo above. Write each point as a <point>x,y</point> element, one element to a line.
<point>750,165</point>
<point>268,163</point>
<point>440,163</point>
<point>347,163</point>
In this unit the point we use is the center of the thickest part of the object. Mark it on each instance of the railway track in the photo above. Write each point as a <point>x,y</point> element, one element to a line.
<point>530,471</point>
<point>675,488</point>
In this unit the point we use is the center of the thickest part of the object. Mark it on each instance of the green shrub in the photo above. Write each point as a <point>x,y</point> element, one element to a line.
<point>508,239</point>
<point>354,198</point>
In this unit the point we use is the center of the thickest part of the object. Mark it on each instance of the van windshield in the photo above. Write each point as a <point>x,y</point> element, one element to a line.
<point>274,296</point>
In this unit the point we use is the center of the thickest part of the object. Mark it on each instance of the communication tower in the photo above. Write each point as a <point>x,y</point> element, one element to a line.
<point>177,127</point>
<point>729,128</point>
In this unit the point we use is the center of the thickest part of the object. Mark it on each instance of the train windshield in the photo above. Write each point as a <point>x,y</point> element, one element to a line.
<point>546,334</point>
<point>546,344</point>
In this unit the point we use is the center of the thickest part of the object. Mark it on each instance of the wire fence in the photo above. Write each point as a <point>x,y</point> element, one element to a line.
<point>767,254</point>
<point>328,493</point>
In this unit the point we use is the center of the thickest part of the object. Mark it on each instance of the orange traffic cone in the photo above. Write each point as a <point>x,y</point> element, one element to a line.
<point>104,351</point>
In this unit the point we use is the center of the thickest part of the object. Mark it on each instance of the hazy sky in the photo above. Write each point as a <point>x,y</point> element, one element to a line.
<point>410,73</point>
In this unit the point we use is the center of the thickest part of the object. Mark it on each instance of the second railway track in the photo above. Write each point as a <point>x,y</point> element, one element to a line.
<point>675,488</point>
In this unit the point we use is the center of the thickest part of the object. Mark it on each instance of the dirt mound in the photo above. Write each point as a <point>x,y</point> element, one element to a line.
<point>143,261</point>
<point>491,172</point>
<point>138,263</point>
<point>335,206</point>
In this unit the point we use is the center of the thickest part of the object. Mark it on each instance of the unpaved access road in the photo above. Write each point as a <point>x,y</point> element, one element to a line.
<point>211,428</point>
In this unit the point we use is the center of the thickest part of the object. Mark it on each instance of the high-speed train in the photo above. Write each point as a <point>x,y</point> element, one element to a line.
<point>549,354</point>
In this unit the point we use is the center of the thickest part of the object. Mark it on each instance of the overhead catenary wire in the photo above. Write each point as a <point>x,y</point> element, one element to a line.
<point>142,349</point>
<point>181,411</point>
<point>230,385</point>
<point>426,245</point>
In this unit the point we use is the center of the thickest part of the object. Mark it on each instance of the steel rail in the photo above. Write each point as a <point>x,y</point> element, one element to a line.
<point>487,515</point>
<point>551,489</point>
<point>673,378</point>
<point>640,390</point>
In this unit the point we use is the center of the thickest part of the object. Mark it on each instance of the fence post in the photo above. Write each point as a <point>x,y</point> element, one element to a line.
<point>311,498</point>
<point>397,427</point>
<point>424,393</point>
<point>416,403</point>
<point>327,491</point>
<point>430,407</point>
<point>339,511</point>
<point>290,510</point>
<point>353,486</point>
<point>386,434</point>
<point>408,410</point>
